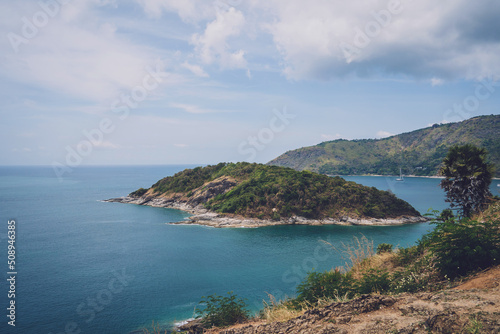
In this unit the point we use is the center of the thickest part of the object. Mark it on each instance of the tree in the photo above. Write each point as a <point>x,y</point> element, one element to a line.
<point>467,178</point>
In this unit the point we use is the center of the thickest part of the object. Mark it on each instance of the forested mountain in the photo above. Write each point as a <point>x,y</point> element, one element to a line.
<point>418,152</point>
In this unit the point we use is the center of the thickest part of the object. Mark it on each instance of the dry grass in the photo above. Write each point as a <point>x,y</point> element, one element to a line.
<point>355,252</point>
<point>492,213</point>
<point>279,310</point>
<point>324,302</point>
<point>384,261</point>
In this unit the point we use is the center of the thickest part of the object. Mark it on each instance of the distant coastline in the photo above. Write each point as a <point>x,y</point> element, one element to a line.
<point>395,176</point>
<point>202,216</point>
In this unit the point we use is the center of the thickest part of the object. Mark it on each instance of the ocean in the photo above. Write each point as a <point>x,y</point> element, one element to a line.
<point>87,266</point>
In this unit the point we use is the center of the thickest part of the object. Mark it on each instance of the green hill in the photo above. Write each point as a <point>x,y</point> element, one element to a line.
<point>272,192</point>
<point>418,152</point>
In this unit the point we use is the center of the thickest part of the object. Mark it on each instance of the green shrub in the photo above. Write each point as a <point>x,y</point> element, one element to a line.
<point>222,311</point>
<point>464,245</point>
<point>405,256</point>
<point>139,192</point>
<point>384,248</point>
<point>328,284</point>
<point>374,280</point>
<point>409,281</point>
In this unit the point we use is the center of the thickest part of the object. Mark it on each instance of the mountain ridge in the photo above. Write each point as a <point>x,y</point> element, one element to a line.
<point>419,152</point>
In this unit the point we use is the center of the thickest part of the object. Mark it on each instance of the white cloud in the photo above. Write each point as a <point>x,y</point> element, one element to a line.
<point>213,47</point>
<point>188,10</point>
<point>384,134</point>
<point>106,145</point>
<point>457,39</point>
<point>328,137</point>
<point>192,109</point>
<point>84,54</point>
<point>78,53</point>
<point>436,81</point>
<point>195,69</point>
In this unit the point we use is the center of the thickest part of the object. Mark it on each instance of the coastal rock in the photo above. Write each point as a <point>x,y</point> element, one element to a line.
<point>192,327</point>
<point>202,216</point>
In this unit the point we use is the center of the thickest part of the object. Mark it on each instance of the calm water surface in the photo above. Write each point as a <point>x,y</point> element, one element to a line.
<point>94,267</point>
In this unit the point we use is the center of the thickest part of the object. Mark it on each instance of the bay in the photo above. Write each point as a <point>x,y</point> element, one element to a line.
<point>95,267</point>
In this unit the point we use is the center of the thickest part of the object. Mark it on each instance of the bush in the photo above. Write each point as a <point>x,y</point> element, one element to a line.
<point>416,276</point>
<point>222,311</point>
<point>409,281</point>
<point>464,245</point>
<point>384,248</point>
<point>405,256</point>
<point>328,284</point>
<point>139,192</point>
<point>374,280</point>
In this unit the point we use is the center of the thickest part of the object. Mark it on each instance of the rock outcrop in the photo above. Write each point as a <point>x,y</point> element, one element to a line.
<point>202,216</point>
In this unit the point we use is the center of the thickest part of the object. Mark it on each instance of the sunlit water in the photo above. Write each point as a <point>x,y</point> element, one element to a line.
<point>103,267</point>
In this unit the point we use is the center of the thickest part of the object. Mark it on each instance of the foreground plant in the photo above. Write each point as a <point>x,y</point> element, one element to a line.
<point>463,245</point>
<point>221,311</point>
<point>467,178</point>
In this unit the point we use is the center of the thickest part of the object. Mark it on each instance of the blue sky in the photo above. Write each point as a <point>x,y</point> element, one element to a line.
<point>191,81</point>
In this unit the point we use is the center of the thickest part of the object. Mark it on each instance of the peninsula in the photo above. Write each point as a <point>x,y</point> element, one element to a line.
<point>254,195</point>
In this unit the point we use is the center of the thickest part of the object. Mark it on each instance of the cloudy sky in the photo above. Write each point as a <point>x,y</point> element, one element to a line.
<point>202,81</point>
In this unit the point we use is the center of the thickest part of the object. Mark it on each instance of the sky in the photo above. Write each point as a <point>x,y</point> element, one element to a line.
<point>108,82</point>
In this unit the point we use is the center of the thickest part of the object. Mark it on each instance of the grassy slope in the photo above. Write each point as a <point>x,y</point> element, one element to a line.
<point>275,192</point>
<point>419,152</point>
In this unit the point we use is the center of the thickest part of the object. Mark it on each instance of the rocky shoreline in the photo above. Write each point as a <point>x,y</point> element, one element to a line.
<point>202,216</point>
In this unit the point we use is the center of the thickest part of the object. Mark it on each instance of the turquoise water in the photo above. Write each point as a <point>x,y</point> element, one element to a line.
<point>95,267</point>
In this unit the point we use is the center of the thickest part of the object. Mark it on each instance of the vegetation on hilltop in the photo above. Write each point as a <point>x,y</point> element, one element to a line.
<point>272,192</point>
<point>419,152</point>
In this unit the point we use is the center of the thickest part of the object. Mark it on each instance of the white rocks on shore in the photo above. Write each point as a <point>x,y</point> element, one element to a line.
<point>202,216</point>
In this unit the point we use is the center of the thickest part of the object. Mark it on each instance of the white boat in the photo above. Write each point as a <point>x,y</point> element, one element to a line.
<point>400,178</point>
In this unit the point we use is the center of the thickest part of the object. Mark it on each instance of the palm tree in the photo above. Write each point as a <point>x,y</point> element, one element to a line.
<point>467,178</point>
